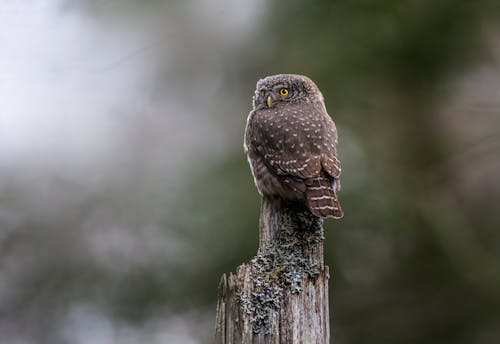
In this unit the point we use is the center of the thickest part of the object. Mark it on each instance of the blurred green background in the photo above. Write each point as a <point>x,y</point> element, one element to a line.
<point>125,194</point>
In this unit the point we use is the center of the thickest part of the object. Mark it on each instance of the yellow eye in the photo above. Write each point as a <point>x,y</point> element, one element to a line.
<point>262,93</point>
<point>284,92</point>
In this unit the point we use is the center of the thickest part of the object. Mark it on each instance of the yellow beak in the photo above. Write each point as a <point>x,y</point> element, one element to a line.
<point>269,101</point>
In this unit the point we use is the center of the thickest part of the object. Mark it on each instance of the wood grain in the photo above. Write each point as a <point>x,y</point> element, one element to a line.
<point>281,295</point>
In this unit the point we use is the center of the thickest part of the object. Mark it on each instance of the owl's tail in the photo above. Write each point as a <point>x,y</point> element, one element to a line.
<point>322,198</point>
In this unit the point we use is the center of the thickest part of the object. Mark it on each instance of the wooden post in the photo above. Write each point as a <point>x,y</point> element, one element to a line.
<point>281,295</point>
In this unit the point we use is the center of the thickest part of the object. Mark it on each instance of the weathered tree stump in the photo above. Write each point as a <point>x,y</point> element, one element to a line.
<point>281,295</point>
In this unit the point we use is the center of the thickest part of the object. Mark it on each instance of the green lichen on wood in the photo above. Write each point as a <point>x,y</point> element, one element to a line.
<point>282,265</point>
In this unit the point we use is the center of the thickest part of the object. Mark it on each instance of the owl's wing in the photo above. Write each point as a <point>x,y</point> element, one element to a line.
<point>300,149</point>
<point>329,159</point>
<point>331,164</point>
<point>295,173</point>
<point>301,144</point>
<point>292,166</point>
<point>316,176</point>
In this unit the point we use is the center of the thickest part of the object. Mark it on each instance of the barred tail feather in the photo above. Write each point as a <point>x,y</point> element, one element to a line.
<point>322,199</point>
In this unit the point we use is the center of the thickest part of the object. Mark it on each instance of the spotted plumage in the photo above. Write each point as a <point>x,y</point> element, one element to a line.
<point>291,144</point>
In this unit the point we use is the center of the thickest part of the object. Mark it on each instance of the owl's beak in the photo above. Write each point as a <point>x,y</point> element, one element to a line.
<point>269,101</point>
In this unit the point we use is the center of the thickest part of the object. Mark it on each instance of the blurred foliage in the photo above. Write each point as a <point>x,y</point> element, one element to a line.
<point>415,260</point>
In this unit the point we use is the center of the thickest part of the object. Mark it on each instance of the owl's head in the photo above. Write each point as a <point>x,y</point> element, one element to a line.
<point>285,88</point>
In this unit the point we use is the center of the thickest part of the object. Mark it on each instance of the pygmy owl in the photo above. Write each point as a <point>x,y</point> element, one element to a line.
<point>291,144</point>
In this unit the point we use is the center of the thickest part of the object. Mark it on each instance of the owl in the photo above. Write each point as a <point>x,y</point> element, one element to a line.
<point>291,144</point>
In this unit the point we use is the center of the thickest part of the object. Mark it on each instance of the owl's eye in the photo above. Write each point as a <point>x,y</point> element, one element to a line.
<point>262,93</point>
<point>284,92</point>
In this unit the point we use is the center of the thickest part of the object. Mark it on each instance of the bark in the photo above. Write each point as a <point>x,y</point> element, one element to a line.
<point>281,295</point>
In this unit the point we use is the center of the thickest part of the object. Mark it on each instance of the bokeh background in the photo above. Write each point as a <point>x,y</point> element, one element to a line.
<point>125,194</point>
